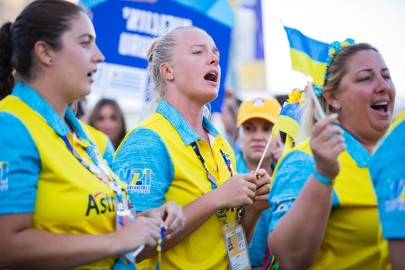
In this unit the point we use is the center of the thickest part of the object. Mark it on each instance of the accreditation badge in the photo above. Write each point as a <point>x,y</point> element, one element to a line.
<point>236,246</point>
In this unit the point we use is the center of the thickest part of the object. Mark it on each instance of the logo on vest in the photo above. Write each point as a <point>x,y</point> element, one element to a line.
<point>100,203</point>
<point>137,180</point>
<point>3,176</point>
<point>395,195</point>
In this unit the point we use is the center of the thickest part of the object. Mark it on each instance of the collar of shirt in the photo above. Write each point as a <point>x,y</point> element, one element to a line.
<point>37,103</point>
<point>187,134</point>
<point>356,150</point>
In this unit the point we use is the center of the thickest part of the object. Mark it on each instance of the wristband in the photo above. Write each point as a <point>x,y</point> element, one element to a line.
<point>322,178</point>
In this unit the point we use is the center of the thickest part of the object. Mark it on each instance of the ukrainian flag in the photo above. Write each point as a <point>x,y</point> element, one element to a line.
<point>289,120</point>
<point>307,55</point>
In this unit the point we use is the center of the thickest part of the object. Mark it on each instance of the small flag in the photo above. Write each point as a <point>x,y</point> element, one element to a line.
<point>307,55</point>
<point>289,120</point>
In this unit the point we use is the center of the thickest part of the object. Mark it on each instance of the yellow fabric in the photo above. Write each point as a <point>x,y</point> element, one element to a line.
<point>303,63</point>
<point>70,199</point>
<point>205,247</point>
<point>351,238</point>
<point>97,136</point>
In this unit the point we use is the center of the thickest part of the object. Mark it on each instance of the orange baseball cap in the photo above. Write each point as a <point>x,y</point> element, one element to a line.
<point>265,108</point>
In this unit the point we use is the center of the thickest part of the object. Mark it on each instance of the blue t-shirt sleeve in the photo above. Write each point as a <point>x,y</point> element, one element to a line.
<point>109,152</point>
<point>144,164</point>
<point>19,167</point>
<point>388,174</point>
<point>289,179</point>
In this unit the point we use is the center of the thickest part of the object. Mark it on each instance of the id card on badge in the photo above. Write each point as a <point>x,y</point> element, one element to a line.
<point>123,218</point>
<point>236,246</point>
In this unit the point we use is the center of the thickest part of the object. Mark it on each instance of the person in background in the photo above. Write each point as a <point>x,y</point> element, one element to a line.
<point>324,209</point>
<point>108,117</point>
<point>59,203</point>
<point>177,154</point>
<point>101,139</point>
<point>229,111</point>
<point>255,121</point>
<point>387,172</point>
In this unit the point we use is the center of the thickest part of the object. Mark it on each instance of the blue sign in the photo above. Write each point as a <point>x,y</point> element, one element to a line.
<point>126,28</point>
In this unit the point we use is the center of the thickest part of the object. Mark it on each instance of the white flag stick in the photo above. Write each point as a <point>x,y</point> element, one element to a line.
<point>315,98</point>
<point>264,153</point>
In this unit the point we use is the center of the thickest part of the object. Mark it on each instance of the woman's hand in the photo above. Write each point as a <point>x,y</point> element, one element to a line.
<point>327,143</point>
<point>262,190</point>
<point>237,191</point>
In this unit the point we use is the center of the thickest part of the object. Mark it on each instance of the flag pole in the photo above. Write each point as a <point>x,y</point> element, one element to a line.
<point>264,153</point>
<point>315,98</point>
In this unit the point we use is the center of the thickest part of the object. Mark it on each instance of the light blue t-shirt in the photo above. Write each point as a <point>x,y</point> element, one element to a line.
<point>294,170</point>
<point>388,174</point>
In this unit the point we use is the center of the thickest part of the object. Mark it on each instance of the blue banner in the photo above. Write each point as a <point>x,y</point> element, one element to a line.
<point>125,29</point>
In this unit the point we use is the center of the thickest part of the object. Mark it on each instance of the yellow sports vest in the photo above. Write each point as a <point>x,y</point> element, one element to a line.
<point>351,238</point>
<point>205,247</point>
<point>70,199</point>
<point>98,137</point>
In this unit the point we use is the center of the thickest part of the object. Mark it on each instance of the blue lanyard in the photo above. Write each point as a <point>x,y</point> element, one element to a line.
<point>210,177</point>
<point>222,212</point>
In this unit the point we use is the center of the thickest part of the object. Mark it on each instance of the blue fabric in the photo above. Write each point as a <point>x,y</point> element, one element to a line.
<point>19,158</point>
<point>19,167</point>
<point>387,171</point>
<point>143,148</point>
<point>240,163</point>
<point>109,152</point>
<point>295,169</point>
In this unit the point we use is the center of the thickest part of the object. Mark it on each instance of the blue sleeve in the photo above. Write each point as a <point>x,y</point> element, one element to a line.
<point>19,167</point>
<point>388,174</point>
<point>109,152</point>
<point>258,245</point>
<point>144,164</point>
<point>289,179</point>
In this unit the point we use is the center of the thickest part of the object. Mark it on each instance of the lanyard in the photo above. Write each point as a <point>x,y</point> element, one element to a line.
<point>210,177</point>
<point>222,212</point>
<point>100,170</point>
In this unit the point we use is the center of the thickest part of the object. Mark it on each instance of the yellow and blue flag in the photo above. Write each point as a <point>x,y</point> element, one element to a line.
<point>307,55</point>
<point>289,120</point>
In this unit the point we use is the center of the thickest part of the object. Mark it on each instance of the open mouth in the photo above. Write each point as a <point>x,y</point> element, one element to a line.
<point>380,106</point>
<point>91,73</point>
<point>211,76</point>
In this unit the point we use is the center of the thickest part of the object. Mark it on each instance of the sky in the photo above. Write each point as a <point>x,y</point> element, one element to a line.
<point>378,22</point>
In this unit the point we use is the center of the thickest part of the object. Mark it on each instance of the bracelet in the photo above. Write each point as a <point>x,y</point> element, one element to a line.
<point>322,178</point>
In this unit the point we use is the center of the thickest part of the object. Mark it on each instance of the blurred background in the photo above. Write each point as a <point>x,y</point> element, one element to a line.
<point>255,57</point>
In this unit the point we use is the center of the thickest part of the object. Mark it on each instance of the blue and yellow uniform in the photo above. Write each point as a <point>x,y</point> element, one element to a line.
<point>387,172</point>
<point>40,175</point>
<point>351,238</point>
<point>158,163</point>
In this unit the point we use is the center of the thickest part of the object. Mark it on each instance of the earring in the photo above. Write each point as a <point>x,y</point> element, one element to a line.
<point>336,106</point>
